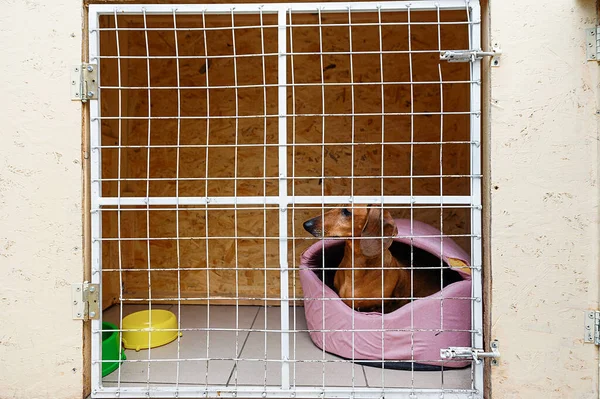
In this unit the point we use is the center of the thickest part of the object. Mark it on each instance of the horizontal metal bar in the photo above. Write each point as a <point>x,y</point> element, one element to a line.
<point>186,391</point>
<point>272,8</point>
<point>271,200</point>
<point>270,269</point>
<point>261,237</point>
<point>297,54</point>
<point>309,144</point>
<point>307,84</point>
<point>256,200</point>
<point>267,178</point>
<point>288,25</point>
<point>267,360</point>
<point>358,114</point>
<point>278,331</point>
<point>244,298</point>
<point>189,208</point>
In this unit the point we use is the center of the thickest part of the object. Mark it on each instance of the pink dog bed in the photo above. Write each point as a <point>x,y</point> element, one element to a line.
<point>430,335</point>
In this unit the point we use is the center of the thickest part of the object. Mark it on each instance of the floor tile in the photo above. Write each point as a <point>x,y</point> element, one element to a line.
<point>308,361</point>
<point>259,346</point>
<point>447,379</point>
<point>219,316</point>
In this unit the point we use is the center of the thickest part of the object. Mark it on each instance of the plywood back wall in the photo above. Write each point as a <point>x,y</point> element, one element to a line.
<point>307,160</point>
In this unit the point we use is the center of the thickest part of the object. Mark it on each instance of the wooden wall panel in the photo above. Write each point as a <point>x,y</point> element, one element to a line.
<point>213,171</point>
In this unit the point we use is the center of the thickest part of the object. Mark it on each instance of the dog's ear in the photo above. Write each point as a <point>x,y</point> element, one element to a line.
<point>374,228</point>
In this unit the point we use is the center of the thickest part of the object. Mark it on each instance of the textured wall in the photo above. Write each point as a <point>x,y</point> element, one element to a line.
<point>40,200</point>
<point>544,160</point>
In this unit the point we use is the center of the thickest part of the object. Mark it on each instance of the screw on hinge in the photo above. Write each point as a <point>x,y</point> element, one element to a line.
<point>494,346</point>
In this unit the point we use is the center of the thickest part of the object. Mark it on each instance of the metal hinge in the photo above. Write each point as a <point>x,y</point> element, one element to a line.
<point>86,298</point>
<point>472,55</point>
<point>462,353</point>
<point>592,44</point>
<point>591,324</point>
<point>84,82</point>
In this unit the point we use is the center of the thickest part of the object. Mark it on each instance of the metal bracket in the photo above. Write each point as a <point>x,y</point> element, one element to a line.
<point>592,43</point>
<point>84,82</point>
<point>591,324</point>
<point>472,55</point>
<point>86,301</point>
<point>462,353</point>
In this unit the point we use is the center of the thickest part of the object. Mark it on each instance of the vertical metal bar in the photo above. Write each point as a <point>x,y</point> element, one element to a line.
<point>412,210</point>
<point>323,271</point>
<point>476,211</point>
<point>439,41</point>
<point>206,194</point>
<point>264,82</point>
<point>148,192</point>
<point>352,132</point>
<point>292,75</point>
<point>177,199</point>
<point>283,202</point>
<point>235,209</point>
<point>96,193</point>
<point>120,249</point>
<point>382,183</point>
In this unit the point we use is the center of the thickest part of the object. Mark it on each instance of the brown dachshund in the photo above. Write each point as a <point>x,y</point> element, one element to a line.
<point>370,252</point>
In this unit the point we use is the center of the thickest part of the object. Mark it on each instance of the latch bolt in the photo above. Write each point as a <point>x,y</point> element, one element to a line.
<point>472,55</point>
<point>462,353</point>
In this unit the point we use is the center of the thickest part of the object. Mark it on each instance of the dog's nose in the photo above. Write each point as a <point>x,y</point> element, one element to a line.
<point>309,225</point>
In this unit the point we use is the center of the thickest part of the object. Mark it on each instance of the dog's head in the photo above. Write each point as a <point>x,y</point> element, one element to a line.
<point>367,222</point>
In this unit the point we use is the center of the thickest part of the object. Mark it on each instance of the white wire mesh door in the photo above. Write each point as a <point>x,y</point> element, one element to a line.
<point>220,129</point>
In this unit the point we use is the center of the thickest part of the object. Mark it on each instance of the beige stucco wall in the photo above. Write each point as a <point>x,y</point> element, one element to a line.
<point>544,158</point>
<point>40,200</point>
<point>544,162</point>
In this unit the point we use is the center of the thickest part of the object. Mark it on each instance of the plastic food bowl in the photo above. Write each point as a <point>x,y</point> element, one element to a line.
<point>110,349</point>
<point>141,332</point>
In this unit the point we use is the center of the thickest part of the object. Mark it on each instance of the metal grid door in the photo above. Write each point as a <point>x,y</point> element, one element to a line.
<point>282,198</point>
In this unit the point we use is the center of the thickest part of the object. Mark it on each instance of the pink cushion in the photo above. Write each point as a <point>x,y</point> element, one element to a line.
<point>399,341</point>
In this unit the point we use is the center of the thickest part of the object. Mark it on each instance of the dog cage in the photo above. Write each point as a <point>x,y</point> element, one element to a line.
<point>219,129</point>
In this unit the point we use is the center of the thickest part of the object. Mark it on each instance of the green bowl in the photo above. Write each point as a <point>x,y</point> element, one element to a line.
<point>111,346</point>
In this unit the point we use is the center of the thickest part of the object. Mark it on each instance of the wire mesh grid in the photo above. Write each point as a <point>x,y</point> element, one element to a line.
<point>220,130</point>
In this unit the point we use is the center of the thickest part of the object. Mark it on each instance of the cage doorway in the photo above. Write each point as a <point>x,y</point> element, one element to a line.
<point>220,129</point>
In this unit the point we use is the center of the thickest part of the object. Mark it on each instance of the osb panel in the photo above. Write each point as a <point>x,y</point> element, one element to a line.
<point>211,262</point>
<point>407,141</point>
<point>252,265</point>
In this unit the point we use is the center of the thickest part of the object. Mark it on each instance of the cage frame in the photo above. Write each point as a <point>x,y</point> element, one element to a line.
<point>284,201</point>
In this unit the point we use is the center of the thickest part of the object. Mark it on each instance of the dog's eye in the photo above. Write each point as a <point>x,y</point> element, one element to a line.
<point>346,212</point>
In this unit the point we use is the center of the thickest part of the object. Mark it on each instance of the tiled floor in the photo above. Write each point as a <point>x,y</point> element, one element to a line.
<point>261,348</point>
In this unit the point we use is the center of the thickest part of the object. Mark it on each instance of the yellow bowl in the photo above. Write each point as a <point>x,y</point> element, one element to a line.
<point>143,335</point>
